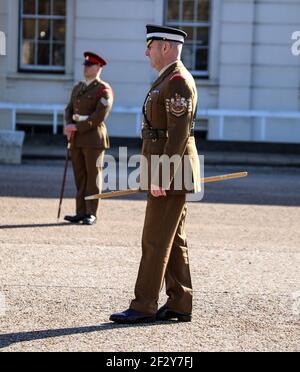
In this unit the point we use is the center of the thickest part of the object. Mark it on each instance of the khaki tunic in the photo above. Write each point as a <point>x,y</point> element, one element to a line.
<point>93,104</point>
<point>170,105</point>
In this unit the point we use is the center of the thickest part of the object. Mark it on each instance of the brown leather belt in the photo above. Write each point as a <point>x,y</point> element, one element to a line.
<point>156,134</point>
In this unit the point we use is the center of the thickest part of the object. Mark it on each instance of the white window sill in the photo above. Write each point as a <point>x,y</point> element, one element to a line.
<point>40,77</point>
<point>200,82</point>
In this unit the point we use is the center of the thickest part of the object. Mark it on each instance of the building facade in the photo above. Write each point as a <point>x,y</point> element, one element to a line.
<point>240,52</point>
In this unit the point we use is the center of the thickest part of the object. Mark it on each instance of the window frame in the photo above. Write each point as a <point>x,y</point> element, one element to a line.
<point>40,68</point>
<point>205,74</point>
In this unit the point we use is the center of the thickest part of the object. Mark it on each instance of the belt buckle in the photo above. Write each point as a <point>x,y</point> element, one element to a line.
<point>157,137</point>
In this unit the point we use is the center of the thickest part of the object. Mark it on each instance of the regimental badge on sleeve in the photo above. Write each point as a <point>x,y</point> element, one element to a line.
<point>179,106</point>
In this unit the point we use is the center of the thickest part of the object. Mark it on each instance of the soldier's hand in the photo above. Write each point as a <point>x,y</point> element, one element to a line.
<point>157,191</point>
<point>70,129</point>
<point>76,117</point>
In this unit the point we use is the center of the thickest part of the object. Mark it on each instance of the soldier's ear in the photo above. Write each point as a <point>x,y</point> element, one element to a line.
<point>165,46</point>
<point>168,46</point>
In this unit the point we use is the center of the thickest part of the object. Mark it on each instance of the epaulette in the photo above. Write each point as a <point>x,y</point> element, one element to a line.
<point>177,76</point>
<point>105,88</point>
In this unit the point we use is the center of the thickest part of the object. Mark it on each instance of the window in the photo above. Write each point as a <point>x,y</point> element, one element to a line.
<point>42,35</point>
<point>193,17</point>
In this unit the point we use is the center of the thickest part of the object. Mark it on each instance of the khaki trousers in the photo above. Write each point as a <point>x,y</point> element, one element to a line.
<point>165,257</point>
<point>87,167</point>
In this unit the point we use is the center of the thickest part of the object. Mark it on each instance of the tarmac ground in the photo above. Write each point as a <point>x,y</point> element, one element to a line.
<point>59,283</point>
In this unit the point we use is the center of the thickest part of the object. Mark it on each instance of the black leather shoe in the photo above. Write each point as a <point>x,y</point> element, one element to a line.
<point>131,317</point>
<point>75,219</point>
<point>164,313</point>
<point>89,220</point>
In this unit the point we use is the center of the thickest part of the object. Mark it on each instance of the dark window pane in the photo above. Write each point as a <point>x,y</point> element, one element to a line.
<point>187,56</point>
<point>188,10</point>
<point>190,32</point>
<point>29,7</point>
<point>44,39</point>
<point>203,10</point>
<point>173,10</point>
<point>44,54</point>
<point>203,36</point>
<point>59,30</point>
<point>28,53</point>
<point>202,60</point>
<point>59,7</point>
<point>195,53</point>
<point>29,28</point>
<point>44,7</point>
<point>58,56</point>
<point>44,29</point>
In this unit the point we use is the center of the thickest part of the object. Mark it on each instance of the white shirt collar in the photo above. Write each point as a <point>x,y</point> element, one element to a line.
<point>166,67</point>
<point>89,82</point>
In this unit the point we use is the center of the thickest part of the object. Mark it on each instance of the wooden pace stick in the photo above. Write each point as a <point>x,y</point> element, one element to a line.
<point>62,192</point>
<point>114,194</point>
<point>225,177</point>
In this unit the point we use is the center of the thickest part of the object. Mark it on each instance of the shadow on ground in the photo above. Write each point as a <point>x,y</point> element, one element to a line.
<point>33,226</point>
<point>9,339</point>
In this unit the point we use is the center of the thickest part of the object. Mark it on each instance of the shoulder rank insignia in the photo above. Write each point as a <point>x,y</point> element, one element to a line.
<point>179,106</point>
<point>105,102</point>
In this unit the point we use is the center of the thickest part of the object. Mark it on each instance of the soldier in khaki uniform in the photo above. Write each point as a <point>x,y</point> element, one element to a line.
<point>169,119</point>
<point>89,107</point>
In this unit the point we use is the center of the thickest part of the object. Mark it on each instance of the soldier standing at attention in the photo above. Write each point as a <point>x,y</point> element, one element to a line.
<point>169,119</point>
<point>89,106</point>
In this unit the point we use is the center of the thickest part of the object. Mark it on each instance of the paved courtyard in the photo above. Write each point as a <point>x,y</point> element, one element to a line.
<point>60,283</point>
